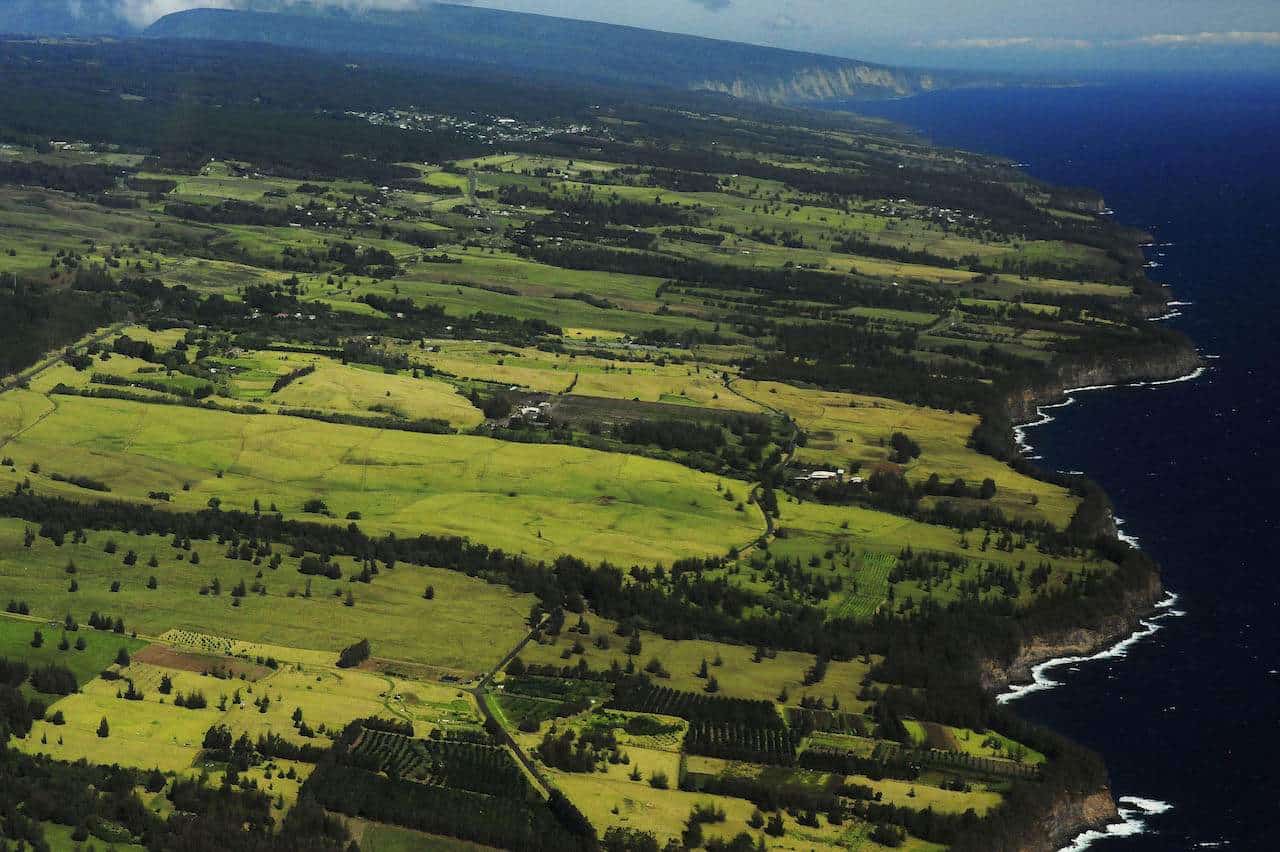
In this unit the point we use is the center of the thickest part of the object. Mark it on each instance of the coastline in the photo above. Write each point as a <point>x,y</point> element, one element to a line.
<point>1078,820</point>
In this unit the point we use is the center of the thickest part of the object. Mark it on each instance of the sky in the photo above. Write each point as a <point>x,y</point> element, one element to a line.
<point>1026,35</point>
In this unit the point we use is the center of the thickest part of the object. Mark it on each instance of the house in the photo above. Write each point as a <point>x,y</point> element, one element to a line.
<point>824,476</point>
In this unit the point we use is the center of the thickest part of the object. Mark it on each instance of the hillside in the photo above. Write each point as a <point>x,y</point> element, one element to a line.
<point>584,49</point>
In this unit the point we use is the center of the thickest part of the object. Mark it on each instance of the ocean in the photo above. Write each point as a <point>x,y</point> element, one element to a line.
<point>1187,714</point>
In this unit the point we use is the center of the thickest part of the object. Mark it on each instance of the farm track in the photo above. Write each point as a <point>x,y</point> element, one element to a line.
<point>480,693</point>
<point>788,455</point>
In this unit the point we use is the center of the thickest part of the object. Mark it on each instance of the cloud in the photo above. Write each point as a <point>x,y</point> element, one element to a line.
<point>1154,40</point>
<point>1207,39</point>
<point>1007,43</point>
<point>714,5</point>
<point>144,12</point>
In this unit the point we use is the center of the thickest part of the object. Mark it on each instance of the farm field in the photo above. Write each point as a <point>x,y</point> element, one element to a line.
<point>467,626</point>
<point>553,499</point>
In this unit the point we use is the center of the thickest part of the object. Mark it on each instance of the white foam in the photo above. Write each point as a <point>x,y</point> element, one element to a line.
<point>1128,538</point>
<point>1189,377</point>
<point>1177,304</point>
<point>1040,680</point>
<point>1134,812</point>
<point>1166,316</point>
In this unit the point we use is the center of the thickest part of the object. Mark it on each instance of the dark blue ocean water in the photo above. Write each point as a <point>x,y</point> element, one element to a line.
<point>1190,716</point>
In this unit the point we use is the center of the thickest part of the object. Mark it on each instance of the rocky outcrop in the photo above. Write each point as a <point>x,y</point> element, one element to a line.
<point>1136,604</point>
<point>1071,816</point>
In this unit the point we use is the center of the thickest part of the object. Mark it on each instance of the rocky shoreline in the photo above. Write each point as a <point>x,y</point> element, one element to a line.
<point>1172,363</point>
<point>1073,814</point>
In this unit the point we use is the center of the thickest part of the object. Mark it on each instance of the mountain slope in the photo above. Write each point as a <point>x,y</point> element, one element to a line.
<point>468,35</point>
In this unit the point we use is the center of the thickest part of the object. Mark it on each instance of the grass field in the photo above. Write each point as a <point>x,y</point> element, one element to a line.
<point>468,625</point>
<point>543,500</point>
<point>153,732</point>
<point>334,387</point>
<point>648,381</point>
<point>99,653</point>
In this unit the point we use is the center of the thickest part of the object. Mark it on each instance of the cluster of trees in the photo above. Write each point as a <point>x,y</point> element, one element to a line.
<point>242,752</point>
<point>573,753</point>
<point>640,695</point>
<point>103,805</point>
<point>292,376</point>
<point>198,392</point>
<point>353,655</point>
<point>736,741</point>
<point>500,821</point>
<point>367,260</point>
<point>80,178</point>
<point>236,212</point>
<point>671,435</point>
<point>45,319</point>
<point>856,244</point>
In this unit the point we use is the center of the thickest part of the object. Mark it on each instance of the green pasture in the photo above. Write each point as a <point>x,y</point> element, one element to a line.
<point>468,625</point>
<point>541,499</point>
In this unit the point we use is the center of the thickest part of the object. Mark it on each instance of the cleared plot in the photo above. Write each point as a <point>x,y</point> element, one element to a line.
<point>468,625</point>
<point>543,500</point>
<point>849,429</point>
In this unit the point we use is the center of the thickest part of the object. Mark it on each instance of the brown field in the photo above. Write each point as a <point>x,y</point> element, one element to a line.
<point>165,657</point>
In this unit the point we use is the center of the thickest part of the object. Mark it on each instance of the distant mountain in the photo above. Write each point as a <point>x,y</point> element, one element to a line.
<point>516,41</point>
<point>63,17</point>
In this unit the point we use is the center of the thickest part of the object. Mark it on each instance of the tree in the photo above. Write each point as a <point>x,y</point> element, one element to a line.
<point>988,489</point>
<point>354,655</point>
<point>37,639</point>
<point>430,593</point>
<point>104,730</point>
<point>122,658</point>
<point>166,685</point>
